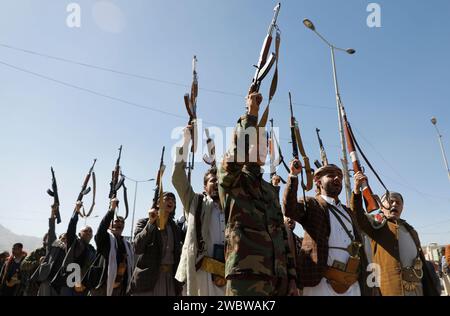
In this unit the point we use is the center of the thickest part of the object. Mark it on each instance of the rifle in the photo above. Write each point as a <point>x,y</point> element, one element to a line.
<point>53,192</point>
<point>265,63</point>
<point>190,102</point>
<point>210,159</point>
<point>117,182</point>
<point>297,146</point>
<point>371,200</point>
<point>158,196</point>
<point>275,162</point>
<point>323,154</point>
<point>85,191</point>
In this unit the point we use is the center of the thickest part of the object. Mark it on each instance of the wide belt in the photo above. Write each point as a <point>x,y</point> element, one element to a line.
<point>412,276</point>
<point>213,266</point>
<point>340,280</point>
<point>166,268</point>
<point>216,268</point>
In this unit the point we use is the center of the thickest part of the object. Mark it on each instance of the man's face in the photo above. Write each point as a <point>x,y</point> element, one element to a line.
<point>331,183</point>
<point>211,187</point>
<point>169,201</point>
<point>395,209</point>
<point>86,234</point>
<point>63,238</point>
<point>290,223</point>
<point>276,180</point>
<point>117,227</point>
<point>16,251</point>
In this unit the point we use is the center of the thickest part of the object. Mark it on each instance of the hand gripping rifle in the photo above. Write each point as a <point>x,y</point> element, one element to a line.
<point>297,145</point>
<point>190,102</point>
<point>53,192</point>
<point>158,196</point>
<point>117,182</point>
<point>210,159</point>
<point>266,62</point>
<point>371,200</point>
<point>323,154</point>
<point>79,208</point>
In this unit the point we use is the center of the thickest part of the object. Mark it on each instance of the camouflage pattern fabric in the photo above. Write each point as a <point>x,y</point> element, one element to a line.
<point>255,235</point>
<point>255,287</point>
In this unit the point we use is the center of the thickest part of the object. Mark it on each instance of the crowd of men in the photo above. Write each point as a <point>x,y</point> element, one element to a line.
<point>237,239</point>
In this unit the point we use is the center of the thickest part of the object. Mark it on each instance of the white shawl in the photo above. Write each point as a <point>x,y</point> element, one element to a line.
<point>112,263</point>
<point>186,271</point>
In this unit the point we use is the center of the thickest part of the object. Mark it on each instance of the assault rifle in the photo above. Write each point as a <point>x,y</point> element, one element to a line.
<point>117,182</point>
<point>190,102</point>
<point>158,196</point>
<point>53,192</point>
<point>85,191</point>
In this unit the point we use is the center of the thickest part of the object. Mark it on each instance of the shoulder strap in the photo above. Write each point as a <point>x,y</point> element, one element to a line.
<point>333,209</point>
<point>198,225</point>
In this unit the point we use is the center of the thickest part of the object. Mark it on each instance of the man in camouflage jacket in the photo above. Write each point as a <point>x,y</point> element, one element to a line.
<point>258,260</point>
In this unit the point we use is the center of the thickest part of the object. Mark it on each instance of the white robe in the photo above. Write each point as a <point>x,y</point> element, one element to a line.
<point>197,283</point>
<point>338,238</point>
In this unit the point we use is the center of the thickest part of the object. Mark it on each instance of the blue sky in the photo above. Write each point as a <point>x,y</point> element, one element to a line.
<point>391,87</point>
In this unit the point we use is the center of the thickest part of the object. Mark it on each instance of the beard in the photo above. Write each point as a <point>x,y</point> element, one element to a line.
<point>332,189</point>
<point>214,195</point>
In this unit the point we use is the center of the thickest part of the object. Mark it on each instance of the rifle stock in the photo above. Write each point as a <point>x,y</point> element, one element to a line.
<point>369,198</point>
<point>158,198</point>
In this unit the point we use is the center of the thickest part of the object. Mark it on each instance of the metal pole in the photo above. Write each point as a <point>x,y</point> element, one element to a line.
<point>344,159</point>
<point>134,208</point>
<point>444,156</point>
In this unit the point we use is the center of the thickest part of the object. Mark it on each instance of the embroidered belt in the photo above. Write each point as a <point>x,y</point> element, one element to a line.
<point>166,268</point>
<point>216,268</point>
<point>412,276</point>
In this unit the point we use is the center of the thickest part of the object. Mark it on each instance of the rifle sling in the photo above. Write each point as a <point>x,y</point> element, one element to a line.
<point>273,85</point>
<point>334,210</point>
<point>364,157</point>
<point>94,191</point>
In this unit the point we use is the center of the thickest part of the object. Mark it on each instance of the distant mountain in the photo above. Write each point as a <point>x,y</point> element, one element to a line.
<point>8,238</point>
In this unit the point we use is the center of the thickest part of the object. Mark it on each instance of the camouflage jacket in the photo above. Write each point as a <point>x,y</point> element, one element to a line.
<point>255,235</point>
<point>31,262</point>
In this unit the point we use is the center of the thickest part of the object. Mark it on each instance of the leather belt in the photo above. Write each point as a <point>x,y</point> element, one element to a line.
<point>166,268</point>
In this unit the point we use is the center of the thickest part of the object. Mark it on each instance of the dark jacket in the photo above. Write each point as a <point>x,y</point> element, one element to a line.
<point>79,252</point>
<point>102,240</point>
<point>12,269</point>
<point>313,258</point>
<point>50,267</point>
<point>148,249</point>
<point>386,253</point>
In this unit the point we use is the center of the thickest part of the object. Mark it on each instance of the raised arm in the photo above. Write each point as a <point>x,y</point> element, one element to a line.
<point>179,178</point>
<point>102,236</point>
<point>51,233</point>
<point>366,222</point>
<point>71,233</point>
<point>292,207</point>
<point>144,233</point>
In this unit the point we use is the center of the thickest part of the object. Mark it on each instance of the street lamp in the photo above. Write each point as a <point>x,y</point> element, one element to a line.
<point>434,122</point>
<point>136,182</point>
<point>350,51</point>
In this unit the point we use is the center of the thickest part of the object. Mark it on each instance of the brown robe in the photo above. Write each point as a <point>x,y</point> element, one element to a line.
<point>386,253</point>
